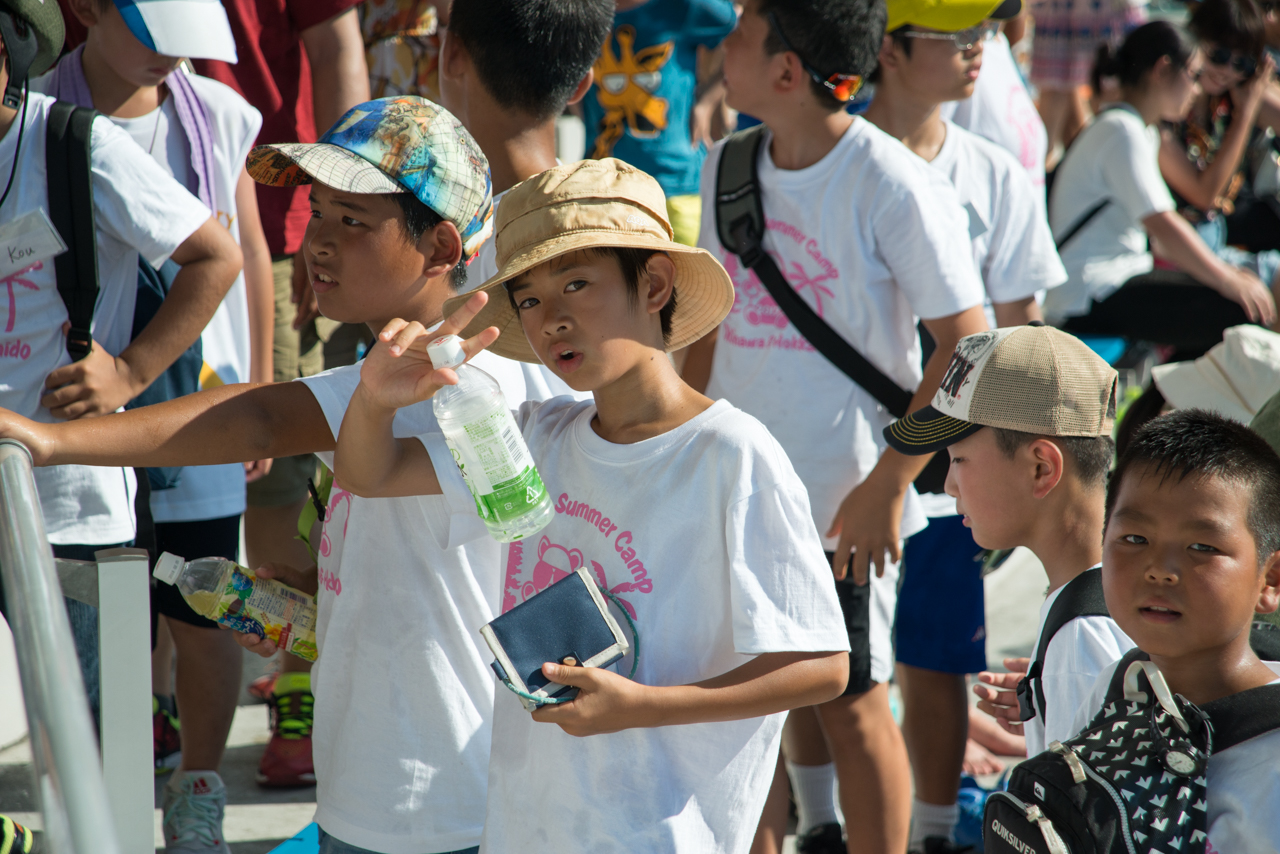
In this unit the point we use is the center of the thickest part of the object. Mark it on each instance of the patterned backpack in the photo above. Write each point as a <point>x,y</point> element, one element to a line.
<point>1133,781</point>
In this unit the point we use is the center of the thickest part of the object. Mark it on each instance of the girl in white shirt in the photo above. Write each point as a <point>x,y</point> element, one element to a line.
<point>675,503</point>
<point>1112,171</point>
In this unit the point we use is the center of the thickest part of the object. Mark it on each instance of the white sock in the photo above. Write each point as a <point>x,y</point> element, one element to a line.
<point>932,820</point>
<point>814,788</point>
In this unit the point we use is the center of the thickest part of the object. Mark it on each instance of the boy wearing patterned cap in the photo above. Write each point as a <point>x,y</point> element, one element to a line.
<point>400,200</point>
<point>1026,414</point>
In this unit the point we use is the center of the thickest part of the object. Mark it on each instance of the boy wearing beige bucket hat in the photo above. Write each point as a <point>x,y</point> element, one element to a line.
<point>675,503</point>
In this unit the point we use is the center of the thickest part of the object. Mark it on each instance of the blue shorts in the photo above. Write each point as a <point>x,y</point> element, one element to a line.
<point>941,619</point>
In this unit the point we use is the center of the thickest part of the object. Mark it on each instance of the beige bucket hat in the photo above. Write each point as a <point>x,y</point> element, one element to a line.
<point>587,205</point>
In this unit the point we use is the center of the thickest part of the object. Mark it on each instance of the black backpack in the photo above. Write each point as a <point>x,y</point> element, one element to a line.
<point>70,188</point>
<point>1134,780</point>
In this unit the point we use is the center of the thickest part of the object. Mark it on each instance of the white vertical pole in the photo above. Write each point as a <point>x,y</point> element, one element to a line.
<point>124,643</point>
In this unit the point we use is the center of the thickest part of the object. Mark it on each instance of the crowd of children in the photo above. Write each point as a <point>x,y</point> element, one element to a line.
<point>781,389</point>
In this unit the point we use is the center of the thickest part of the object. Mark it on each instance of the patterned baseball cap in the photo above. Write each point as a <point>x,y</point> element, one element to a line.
<point>393,145</point>
<point>1033,379</point>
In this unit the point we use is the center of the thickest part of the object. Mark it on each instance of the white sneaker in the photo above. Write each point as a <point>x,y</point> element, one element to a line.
<point>194,802</point>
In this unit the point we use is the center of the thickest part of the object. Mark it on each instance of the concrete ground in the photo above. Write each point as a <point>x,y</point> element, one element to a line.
<point>259,819</point>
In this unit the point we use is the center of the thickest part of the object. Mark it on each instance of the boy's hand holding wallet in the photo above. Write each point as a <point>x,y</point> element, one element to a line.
<point>568,623</point>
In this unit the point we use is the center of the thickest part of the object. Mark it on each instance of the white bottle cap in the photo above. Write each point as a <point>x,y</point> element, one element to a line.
<point>168,567</point>
<point>446,352</point>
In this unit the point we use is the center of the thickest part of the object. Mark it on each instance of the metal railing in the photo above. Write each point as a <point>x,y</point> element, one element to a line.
<point>80,816</point>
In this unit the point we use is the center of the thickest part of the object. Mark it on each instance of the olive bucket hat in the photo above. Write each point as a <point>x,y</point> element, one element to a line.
<point>594,204</point>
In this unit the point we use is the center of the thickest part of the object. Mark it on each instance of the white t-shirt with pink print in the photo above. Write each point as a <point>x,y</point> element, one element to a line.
<point>404,693</point>
<point>705,535</point>
<point>873,239</point>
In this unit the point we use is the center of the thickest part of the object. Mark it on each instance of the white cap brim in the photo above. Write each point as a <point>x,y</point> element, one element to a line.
<point>193,29</point>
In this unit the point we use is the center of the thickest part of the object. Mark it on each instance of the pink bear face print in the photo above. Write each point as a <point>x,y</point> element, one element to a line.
<point>554,563</point>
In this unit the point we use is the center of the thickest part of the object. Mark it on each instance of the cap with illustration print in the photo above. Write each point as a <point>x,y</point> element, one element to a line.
<point>393,145</point>
<point>948,16</point>
<point>1033,379</point>
<point>192,29</point>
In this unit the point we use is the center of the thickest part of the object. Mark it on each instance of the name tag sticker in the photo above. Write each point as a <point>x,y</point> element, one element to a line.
<point>28,240</point>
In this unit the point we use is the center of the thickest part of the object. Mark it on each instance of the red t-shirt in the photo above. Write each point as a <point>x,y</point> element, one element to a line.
<point>76,31</point>
<point>274,76</point>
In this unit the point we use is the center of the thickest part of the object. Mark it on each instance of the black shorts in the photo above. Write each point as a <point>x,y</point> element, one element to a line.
<point>855,604</point>
<point>191,540</point>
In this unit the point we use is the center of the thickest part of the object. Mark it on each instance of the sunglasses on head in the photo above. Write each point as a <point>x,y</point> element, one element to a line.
<point>1240,62</point>
<point>842,86</point>
<point>965,39</point>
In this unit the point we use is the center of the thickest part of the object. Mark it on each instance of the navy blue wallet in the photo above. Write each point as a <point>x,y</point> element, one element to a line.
<point>568,623</point>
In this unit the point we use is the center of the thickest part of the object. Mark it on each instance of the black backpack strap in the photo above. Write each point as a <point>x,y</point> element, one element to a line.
<point>1243,716</point>
<point>1079,225</point>
<point>1081,597</point>
<point>70,186</point>
<point>740,225</point>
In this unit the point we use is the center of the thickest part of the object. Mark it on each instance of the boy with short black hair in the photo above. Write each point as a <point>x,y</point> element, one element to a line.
<point>872,242</point>
<point>510,106</point>
<point>1026,414</point>
<point>930,57</point>
<point>1191,555</point>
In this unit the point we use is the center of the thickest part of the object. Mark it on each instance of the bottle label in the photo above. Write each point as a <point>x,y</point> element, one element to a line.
<point>263,607</point>
<point>497,466</point>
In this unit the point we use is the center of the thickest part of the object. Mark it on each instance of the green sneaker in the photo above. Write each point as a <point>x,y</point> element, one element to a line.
<point>286,762</point>
<point>14,838</point>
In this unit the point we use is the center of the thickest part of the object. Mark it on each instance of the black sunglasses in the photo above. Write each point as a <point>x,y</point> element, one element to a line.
<point>1241,63</point>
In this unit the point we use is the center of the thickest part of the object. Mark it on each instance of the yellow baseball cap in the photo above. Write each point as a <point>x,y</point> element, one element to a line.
<point>948,15</point>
